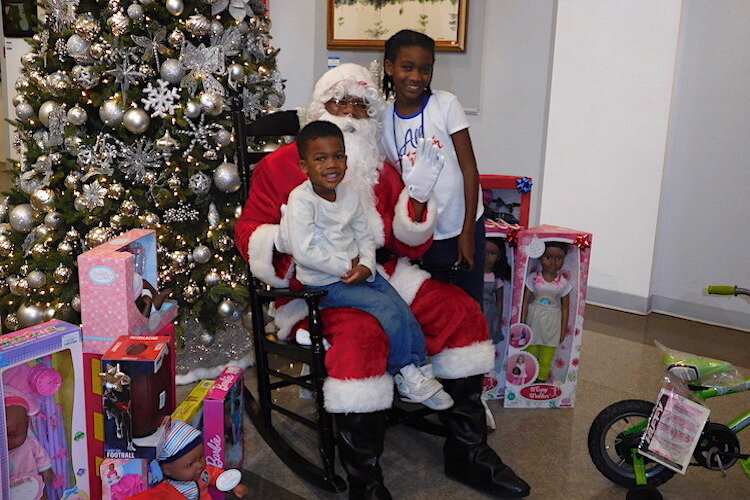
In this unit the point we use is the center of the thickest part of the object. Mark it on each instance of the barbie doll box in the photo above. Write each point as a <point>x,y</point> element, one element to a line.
<point>549,296</point>
<point>119,282</point>
<point>41,370</point>
<point>223,411</point>
<point>138,394</point>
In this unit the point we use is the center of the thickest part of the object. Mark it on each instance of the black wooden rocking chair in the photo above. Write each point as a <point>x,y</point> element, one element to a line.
<point>261,407</point>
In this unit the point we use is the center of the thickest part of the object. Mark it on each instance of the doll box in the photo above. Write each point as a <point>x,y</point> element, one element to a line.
<point>223,411</point>
<point>123,478</point>
<point>109,280</point>
<point>138,393</point>
<point>44,363</point>
<point>507,203</point>
<point>190,410</point>
<point>524,389</point>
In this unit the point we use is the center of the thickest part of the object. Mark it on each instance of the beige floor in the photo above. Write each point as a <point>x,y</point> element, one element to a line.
<point>548,447</point>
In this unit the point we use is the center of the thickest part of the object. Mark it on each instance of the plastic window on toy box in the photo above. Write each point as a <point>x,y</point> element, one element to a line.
<point>540,343</point>
<point>233,414</point>
<point>507,201</point>
<point>38,399</point>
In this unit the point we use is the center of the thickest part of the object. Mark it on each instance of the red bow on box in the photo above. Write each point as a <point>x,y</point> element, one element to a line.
<point>583,241</point>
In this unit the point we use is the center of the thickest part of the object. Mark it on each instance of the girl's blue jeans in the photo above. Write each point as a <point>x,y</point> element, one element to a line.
<point>378,298</point>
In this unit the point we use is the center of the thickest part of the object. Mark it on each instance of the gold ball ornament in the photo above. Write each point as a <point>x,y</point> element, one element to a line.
<point>6,246</point>
<point>136,121</point>
<point>118,23</point>
<point>116,222</point>
<point>39,250</point>
<point>115,191</point>
<point>43,199</point>
<point>96,237</point>
<point>198,24</point>
<point>62,274</point>
<point>87,27</point>
<point>11,322</point>
<point>149,220</point>
<point>98,50</point>
<point>65,247</point>
<point>175,7</point>
<point>52,220</point>
<point>71,181</point>
<point>129,208</point>
<point>20,287</point>
<point>176,38</point>
<point>191,292</point>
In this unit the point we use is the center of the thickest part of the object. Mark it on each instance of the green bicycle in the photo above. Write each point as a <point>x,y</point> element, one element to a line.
<point>615,434</point>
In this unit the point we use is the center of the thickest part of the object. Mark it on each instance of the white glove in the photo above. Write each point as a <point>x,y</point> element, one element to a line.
<point>281,239</point>
<point>422,176</point>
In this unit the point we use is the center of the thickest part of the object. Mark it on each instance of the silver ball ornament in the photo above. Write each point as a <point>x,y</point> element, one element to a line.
<point>29,315</point>
<point>21,218</point>
<point>198,24</point>
<point>36,279</point>
<point>192,109</point>
<point>75,303</point>
<point>84,76</point>
<point>199,183</point>
<point>136,121</point>
<point>11,322</point>
<point>71,181</point>
<point>77,45</point>
<point>247,319</point>
<point>45,109</point>
<point>227,177</point>
<point>175,7</point>
<point>135,11</point>
<point>118,23</point>
<point>223,137</point>
<point>52,220</point>
<point>24,111</point>
<point>111,113</point>
<point>201,254</point>
<point>73,144</point>
<point>236,72</point>
<point>212,279</point>
<point>225,308</point>
<point>236,315</point>
<point>77,115</point>
<point>172,71</point>
<point>213,104</point>
<point>207,338</point>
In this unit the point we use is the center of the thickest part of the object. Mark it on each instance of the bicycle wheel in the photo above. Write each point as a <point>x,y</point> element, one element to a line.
<point>610,447</point>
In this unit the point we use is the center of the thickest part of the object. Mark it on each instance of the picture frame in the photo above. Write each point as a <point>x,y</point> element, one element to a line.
<point>19,18</point>
<point>367,24</point>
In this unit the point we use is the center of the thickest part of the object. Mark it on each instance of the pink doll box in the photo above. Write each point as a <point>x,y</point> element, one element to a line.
<point>138,395</point>
<point>223,410</point>
<point>507,199</point>
<point>123,478</point>
<point>559,390</point>
<point>109,284</point>
<point>45,363</point>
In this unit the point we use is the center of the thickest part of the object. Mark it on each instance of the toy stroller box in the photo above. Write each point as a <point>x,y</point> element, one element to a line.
<point>507,204</point>
<point>114,280</point>
<point>541,371</point>
<point>139,393</point>
<point>41,370</point>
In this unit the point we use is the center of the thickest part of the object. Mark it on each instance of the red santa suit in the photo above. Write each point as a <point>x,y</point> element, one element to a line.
<point>454,327</point>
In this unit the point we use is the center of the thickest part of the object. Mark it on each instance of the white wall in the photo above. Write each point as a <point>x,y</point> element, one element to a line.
<point>609,113</point>
<point>704,225</point>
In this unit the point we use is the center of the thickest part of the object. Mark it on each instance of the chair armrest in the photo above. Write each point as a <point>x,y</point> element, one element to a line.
<point>283,293</point>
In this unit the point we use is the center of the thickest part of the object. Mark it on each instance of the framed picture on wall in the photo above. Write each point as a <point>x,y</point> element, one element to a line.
<point>367,24</point>
<point>19,18</point>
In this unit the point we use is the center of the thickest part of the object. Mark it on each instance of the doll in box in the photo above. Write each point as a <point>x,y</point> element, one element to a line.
<point>496,273</point>
<point>546,304</point>
<point>29,462</point>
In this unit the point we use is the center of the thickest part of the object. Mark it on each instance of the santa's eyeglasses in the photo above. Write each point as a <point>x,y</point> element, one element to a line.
<point>356,103</point>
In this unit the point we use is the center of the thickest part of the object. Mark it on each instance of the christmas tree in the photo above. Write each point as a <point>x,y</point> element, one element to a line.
<point>123,122</point>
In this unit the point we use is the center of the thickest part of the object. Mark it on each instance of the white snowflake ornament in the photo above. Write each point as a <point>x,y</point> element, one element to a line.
<point>161,99</point>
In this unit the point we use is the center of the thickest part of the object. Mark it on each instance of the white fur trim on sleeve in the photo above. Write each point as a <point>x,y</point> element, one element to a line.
<point>260,250</point>
<point>289,315</point>
<point>406,279</point>
<point>407,230</point>
<point>358,395</point>
<point>460,362</point>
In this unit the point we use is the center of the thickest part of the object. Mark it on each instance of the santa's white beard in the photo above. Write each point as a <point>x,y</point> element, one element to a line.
<point>362,141</point>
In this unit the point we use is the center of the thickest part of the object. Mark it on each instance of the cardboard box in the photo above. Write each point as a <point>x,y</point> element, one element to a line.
<point>44,365</point>
<point>522,366</point>
<point>123,478</point>
<point>190,410</point>
<point>138,394</point>
<point>110,280</point>
<point>507,199</point>
<point>223,413</point>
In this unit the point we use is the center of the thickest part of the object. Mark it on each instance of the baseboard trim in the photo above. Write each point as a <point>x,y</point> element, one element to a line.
<point>673,307</point>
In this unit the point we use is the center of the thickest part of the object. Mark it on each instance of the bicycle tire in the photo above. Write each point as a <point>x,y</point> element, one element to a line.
<point>622,473</point>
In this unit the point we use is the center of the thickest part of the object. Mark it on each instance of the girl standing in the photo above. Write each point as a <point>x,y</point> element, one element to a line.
<point>415,122</point>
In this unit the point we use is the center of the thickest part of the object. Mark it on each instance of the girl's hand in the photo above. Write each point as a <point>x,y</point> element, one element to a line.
<point>356,275</point>
<point>466,250</point>
<point>240,490</point>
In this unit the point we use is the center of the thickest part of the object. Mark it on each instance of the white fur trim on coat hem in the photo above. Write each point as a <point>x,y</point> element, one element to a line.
<point>460,362</point>
<point>407,278</point>
<point>260,251</point>
<point>409,231</point>
<point>358,395</point>
<point>289,315</point>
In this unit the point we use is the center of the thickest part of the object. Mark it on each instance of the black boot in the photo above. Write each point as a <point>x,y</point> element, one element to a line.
<point>468,458</point>
<point>360,443</point>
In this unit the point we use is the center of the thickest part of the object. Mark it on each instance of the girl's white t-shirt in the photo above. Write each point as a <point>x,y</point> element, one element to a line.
<point>442,116</point>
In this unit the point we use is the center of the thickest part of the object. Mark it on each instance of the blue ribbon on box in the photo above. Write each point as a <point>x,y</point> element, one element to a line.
<point>524,184</point>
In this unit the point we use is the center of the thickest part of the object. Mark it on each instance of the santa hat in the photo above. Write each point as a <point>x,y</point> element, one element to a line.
<point>181,439</point>
<point>349,79</point>
<point>14,397</point>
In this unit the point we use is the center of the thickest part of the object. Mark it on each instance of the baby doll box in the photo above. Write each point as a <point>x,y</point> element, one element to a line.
<point>507,204</point>
<point>190,410</point>
<point>110,283</point>
<point>44,364</point>
<point>523,390</point>
<point>223,410</point>
<point>139,392</point>
<point>123,478</point>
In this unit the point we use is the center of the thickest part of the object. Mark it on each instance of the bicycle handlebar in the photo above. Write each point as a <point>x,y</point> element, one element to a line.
<point>727,290</point>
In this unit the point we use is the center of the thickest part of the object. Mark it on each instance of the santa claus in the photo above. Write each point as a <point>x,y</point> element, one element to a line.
<point>358,389</point>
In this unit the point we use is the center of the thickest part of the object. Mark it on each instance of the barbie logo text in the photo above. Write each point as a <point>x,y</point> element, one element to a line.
<point>214,457</point>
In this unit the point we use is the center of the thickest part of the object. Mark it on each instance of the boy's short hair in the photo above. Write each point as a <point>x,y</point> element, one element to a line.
<point>316,130</point>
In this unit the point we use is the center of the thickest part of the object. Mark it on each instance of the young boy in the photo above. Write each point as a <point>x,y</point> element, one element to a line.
<point>334,250</point>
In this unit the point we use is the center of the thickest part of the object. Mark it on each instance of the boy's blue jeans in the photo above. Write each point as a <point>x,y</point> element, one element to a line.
<point>406,339</point>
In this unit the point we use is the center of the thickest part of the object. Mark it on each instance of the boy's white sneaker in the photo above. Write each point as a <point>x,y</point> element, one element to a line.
<point>414,386</point>
<point>441,400</point>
